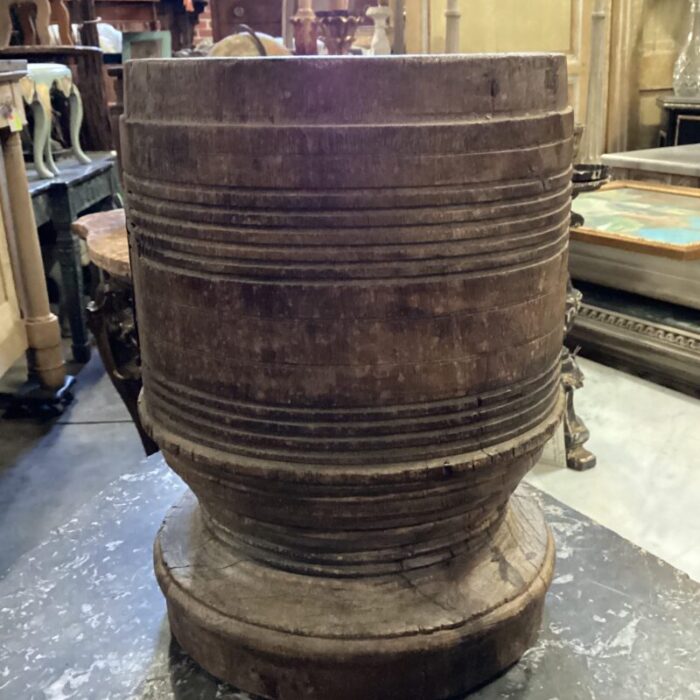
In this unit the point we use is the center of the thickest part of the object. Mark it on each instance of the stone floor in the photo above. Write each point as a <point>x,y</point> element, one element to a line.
<point>48,470</point>
<point>646,486</point>
<point>84,619</point>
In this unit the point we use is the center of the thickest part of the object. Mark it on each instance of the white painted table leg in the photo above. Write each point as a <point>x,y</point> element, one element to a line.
<point>76,121</point>
<point>48,153</point>
<point>42,129</point>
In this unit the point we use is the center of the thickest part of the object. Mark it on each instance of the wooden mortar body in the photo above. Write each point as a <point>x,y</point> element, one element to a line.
<point>350,278</point>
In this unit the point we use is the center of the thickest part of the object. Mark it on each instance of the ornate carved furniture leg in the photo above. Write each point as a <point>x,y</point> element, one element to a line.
<point>337,30</point>
<point>36,88</point>
<point>305,29</point>
<point>111,314</point>
<point>380,16</point>
<point>111,320</point>
<point>575,431</point>
<point>586,178</point>
<point>363,301</point>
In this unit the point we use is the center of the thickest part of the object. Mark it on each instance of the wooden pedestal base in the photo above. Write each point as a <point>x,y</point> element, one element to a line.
<point>433,632</point>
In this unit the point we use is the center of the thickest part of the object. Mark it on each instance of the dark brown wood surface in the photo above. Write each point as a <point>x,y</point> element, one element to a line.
<point>84,12</point>
<point>261,15</point>
<point>350,290</point>
<point>175,18</point>
<point>125,15</point>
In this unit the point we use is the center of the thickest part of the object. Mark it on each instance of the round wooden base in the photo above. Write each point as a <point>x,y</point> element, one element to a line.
<point>429,633</point>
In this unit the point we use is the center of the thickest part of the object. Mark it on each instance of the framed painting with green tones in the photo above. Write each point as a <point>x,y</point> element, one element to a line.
<point>641,217</point>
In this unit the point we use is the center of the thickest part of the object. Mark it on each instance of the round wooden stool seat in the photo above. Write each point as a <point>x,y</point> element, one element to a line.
<point>108,245</point>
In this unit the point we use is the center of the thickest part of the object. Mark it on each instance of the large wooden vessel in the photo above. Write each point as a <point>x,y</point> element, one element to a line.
<point>350,278</point>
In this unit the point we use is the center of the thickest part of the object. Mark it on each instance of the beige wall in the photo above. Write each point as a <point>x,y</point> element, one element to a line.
<point>507,25</point>
<point>644,38</point>
<point>515,25</point>
<point>647,36</point>
<point>663,31</point>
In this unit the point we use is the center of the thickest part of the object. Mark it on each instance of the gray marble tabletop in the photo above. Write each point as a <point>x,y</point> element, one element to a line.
<point>672,101</point>
<point>82,616</point>
<point>672,160</point>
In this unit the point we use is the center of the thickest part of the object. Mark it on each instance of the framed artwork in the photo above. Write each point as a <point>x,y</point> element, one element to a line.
<point>661,220</point>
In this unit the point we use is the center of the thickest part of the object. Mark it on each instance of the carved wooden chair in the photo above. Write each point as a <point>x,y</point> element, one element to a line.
<point>35,25</point>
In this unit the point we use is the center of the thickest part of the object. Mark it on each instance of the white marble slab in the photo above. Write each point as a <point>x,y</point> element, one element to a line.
<point>646,486</point>
<point>674,160</point>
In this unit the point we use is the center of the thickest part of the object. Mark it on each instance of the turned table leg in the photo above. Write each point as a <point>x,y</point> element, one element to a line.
<point>43,332</point>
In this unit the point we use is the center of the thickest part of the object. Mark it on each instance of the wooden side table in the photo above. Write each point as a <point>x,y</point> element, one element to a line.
<point>79,188</point>
<point>43,334</point>
<point>89,77</point>
<point>111,313</point>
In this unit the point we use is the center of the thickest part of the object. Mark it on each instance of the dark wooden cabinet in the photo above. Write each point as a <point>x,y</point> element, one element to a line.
<point>680,120</point>
<point>262,15</point>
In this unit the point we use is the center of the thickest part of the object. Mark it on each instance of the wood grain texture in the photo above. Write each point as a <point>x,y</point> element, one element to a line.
<point>108,246</point>
<point>351,326</point>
